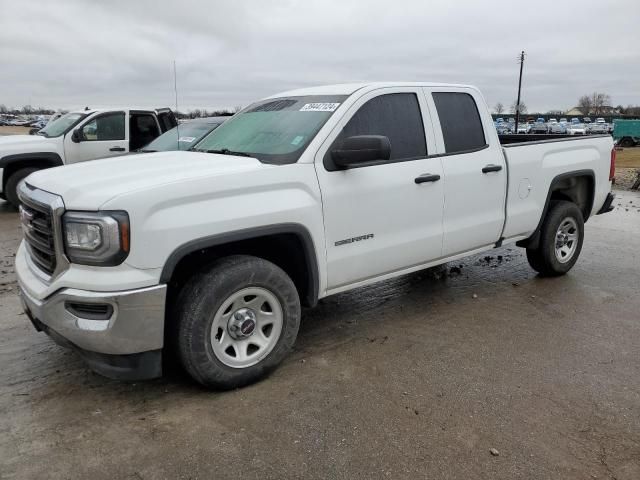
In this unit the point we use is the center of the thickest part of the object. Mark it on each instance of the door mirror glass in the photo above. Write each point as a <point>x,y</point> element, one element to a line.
<point>360,150</point>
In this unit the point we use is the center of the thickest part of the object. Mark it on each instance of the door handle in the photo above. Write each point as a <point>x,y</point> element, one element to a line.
<point>427,177</point>
<point>117,149</point>
<point>491,168</point>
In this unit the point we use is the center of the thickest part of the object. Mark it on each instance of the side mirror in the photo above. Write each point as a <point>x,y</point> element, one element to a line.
<point>359,150</point>
<point>76,136</point>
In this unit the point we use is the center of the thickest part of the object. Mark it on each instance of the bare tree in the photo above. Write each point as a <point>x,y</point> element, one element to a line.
<point>236,109</point>
<point>585,104</point>
<point>27,109</point>
<point>599,102</point>
<point>523,108</point>
<point>499,108</point>
<point>3,108</point>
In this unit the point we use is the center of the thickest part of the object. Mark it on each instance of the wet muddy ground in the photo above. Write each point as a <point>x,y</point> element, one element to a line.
<point>417,377</point>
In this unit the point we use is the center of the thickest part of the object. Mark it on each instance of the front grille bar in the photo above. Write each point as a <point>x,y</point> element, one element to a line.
<point>41,217</point>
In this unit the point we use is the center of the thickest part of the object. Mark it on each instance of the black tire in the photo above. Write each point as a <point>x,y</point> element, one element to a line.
<point>627,142</point>
<point>203,296</point>
<point>544,259</point>
<point>11,187</point>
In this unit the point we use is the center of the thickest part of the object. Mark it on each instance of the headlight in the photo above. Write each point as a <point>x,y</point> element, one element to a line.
<point>96,238</point>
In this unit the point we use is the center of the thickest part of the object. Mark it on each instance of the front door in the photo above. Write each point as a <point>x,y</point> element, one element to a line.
<point>385,217</point>
<point>102,136</point>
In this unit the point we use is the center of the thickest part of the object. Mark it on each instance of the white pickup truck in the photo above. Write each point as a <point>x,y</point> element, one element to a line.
<point>76,137</point>
<point>299,196</point>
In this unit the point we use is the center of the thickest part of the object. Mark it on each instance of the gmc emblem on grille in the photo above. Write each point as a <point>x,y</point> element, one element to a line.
<point>26,218</point>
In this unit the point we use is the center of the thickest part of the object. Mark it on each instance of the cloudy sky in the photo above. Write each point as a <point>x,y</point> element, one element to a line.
<point>72,53</point>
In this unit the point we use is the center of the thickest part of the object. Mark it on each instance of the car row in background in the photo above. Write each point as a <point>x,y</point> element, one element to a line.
<point>563,126</point>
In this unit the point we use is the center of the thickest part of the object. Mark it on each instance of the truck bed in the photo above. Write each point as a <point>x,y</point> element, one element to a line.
<point>534,162</point>
<point>512,139</point>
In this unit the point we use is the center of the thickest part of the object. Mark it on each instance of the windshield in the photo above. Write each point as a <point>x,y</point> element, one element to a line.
<point>62,125</point>
<point>189,134</point>
<point>276,130</point>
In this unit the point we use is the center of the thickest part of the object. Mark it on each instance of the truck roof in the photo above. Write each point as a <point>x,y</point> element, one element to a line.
<point>349,88</point>
<point>111,109</point>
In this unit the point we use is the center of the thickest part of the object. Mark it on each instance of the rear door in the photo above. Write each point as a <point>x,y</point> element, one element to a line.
<point>378,218</point>
<point>101,136</point>
<point>474,170</point>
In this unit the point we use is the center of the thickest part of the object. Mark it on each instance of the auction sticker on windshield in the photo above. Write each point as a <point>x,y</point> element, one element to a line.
<point>186,139</point>
<point>319,107</point>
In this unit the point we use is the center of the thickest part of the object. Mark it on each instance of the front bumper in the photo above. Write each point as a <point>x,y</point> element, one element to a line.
<point>124,343</point>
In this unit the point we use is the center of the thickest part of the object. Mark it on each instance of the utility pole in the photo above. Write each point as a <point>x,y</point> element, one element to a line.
<point>519,89</point>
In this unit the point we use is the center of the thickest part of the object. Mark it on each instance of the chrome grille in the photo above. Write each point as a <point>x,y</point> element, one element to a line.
<point>40,214</point>
<point>37,228</point>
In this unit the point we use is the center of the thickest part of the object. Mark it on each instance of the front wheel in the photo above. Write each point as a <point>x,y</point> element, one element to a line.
<point>561,240</point>
<point>11,187</point>
<point>236,321</point>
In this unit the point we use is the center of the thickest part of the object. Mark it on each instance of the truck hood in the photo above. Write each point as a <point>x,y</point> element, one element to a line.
<point>20,141</point>
<point>89,185</point>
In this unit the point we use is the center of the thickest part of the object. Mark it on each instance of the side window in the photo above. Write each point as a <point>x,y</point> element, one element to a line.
<point>142,130</point>
<point>396,116</point>
<point>460,121</point>
<point>105,127</point>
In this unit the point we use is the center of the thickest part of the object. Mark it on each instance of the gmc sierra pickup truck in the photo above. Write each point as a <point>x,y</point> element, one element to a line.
<point>76,137</point>
<point>211,252</point>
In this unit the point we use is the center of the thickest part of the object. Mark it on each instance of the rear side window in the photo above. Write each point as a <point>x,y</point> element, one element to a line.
<point>460,121</point>
<point>396,116</point>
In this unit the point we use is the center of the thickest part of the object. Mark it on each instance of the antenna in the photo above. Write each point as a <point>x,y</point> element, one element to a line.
<point>175,89</point>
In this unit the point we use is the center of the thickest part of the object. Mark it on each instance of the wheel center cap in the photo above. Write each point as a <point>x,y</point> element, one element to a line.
<point>242,323</point>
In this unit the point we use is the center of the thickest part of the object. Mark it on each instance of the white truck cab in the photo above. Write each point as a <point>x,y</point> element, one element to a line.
<point>299,196</point>
<point>76,137</point>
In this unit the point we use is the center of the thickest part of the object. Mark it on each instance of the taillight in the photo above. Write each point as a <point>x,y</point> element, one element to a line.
<point>612,167</point>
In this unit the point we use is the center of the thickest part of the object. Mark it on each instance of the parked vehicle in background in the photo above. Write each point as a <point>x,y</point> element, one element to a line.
<point>576,129</point>
<point>37,126</point>
<point>184,136</point>
<point>599,127</point>
<point>563,120</point>
<point>299,196</point>
<point>557,127</point>
<point>43,122</point>
<point>539,126</point>
<point>76,137</point>
<point>503,128</point>
<point>586,120</point>
<point>626,133</point>
<point>523,128</point>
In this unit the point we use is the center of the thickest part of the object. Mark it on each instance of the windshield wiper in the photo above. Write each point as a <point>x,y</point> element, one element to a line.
<point>226,151</point>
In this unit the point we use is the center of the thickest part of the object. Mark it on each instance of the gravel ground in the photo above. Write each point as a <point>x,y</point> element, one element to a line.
<point>625,177</point>
<point>478,370</point>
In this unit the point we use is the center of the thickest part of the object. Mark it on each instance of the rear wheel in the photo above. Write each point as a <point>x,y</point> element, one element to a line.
<point>561,238</point>
<point>11,187</point>
<point>627,142</point>
<point>236,321</point>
